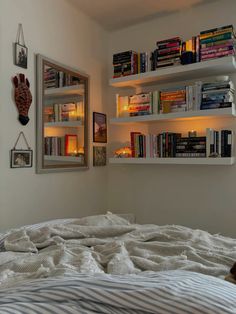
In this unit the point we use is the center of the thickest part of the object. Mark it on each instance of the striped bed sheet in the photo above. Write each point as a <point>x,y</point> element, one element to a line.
<point>167,291</point>
<point>172,292</point>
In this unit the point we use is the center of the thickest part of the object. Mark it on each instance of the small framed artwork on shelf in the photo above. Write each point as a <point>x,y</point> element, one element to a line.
<point>99,127</point>
<point>21,158</point>
<point>99,156</point>
<point>71,145</point>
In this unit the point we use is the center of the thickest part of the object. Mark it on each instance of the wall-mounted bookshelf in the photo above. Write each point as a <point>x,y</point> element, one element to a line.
<point>215,67</point>
<point>220,66</point>
<point>173,161</point>
<point>180,116</point>
<point>63,91</point>
<point>64,124</point>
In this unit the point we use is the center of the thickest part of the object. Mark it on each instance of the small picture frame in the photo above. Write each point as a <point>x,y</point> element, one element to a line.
<point>21,55</point>
<point>99,156</point>
<point>99,127</point>
<point>21,158</point>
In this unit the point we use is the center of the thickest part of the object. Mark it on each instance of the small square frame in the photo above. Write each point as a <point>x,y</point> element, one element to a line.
<point>21,158</point>
<point>21,55</point>
<point>99,127</point>
<point>99,156</point>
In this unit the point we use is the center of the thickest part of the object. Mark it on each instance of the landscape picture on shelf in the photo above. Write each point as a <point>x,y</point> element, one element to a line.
<point>21,55</point>
<point>21,158</point>
<point>99,156</point>
<point>99,127</point>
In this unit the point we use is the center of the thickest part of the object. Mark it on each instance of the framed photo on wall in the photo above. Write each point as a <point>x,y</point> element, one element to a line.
<point>99,156</point>
<point>21,158</point>
<point>99,127</point>
<point>21,55</point>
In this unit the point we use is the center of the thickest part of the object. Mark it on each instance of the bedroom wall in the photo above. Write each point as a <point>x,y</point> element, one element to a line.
<point>59,31</point>
<point>195,196</point>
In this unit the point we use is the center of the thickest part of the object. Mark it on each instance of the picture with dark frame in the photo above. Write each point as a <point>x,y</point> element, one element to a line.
<point>21,55</point>
<point>99,156</point>
<point>21,158</point>
<point>99,127</point>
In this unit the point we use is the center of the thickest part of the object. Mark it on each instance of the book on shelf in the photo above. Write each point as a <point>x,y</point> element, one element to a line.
<point>130,62</point>
<point>64,112</point>
<point>56,79</point>
<point>218,42</point>
<point>66,145</point>
<point>171,145</point>
<point>197,96</point>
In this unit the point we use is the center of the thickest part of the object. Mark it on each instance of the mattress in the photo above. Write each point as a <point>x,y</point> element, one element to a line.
<point>104,264</point>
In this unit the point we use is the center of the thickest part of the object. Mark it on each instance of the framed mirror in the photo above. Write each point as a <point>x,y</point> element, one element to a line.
<point>62,117</point>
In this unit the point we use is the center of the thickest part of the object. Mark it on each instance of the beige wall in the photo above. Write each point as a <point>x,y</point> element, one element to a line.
<point>196,196</point>
<point>53,28</point>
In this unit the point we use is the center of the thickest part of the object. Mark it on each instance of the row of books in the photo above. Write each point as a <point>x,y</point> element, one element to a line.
<point>217,42</point>
<point>130,62</point>
<point>168,144</point>
<point>64,112</point>
<point>56,79</point>
<point>209,44</point>
<point>61,145</point>
<point>217,95</point>
<point>198,96</point>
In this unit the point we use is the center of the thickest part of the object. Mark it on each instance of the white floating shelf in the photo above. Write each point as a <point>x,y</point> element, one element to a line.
<point>64,124</point>
<point>186,115</point>
<point>174,161</point>
<point>64,91</point>
<point>219,66</point>
<point>63,158</point>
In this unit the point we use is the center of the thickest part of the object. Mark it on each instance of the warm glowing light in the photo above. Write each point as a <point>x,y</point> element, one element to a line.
<point>81,150</point>
<point>124,152</point>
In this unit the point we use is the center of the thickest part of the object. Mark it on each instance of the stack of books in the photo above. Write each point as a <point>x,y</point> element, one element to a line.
<point>191,147</point>
<point>166,144</point>
<point>217,42</point>
<point>143,62</point>
<point>217,95</point>
<point>125,63</point>
<point>143,146</point>
<point>140,104</point>
<point>219,143</point>
<point>50,78</point>
<point>173,99</point>
<point>167,53</point>
<point>64,112</point>
<point>56,79</point>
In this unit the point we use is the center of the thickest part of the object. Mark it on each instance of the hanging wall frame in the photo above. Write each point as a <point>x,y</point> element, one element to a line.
<point>21,158</point>
<point>21,51</point>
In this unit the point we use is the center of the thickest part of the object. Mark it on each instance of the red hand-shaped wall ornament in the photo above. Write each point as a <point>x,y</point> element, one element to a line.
<point>23,97</point>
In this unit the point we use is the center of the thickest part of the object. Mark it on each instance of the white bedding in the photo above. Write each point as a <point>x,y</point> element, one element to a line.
<point>109,244</point>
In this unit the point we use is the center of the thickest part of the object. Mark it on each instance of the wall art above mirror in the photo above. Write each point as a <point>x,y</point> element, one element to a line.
<point>62,117</point>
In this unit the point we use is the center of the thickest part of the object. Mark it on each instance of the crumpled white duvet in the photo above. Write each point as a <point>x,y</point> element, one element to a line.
<point>109,244</point>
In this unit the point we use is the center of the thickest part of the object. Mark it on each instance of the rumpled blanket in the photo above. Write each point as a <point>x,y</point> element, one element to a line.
<point>110,244</point>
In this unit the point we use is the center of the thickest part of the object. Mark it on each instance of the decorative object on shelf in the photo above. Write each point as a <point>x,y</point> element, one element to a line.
<point>23,97</point>
<point>192,133</point>
<point>21,51</point>
<point>99,156</point>
<point>71,145</point>
<point>99,127</point>
<point>21,158</point>
<point>123,152</point>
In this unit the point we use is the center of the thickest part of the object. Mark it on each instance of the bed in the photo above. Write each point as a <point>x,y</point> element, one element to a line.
<point>104,264</point>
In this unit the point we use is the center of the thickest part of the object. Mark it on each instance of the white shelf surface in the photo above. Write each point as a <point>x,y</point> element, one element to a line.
<point>219,66</point>
<point>62,158</point>
<point>63,91</point>
<point>186,115</point>
<point>174,161</point>
<point>64,124</point>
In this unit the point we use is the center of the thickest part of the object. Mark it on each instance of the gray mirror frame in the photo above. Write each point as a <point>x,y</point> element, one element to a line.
<point>40,60</point>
